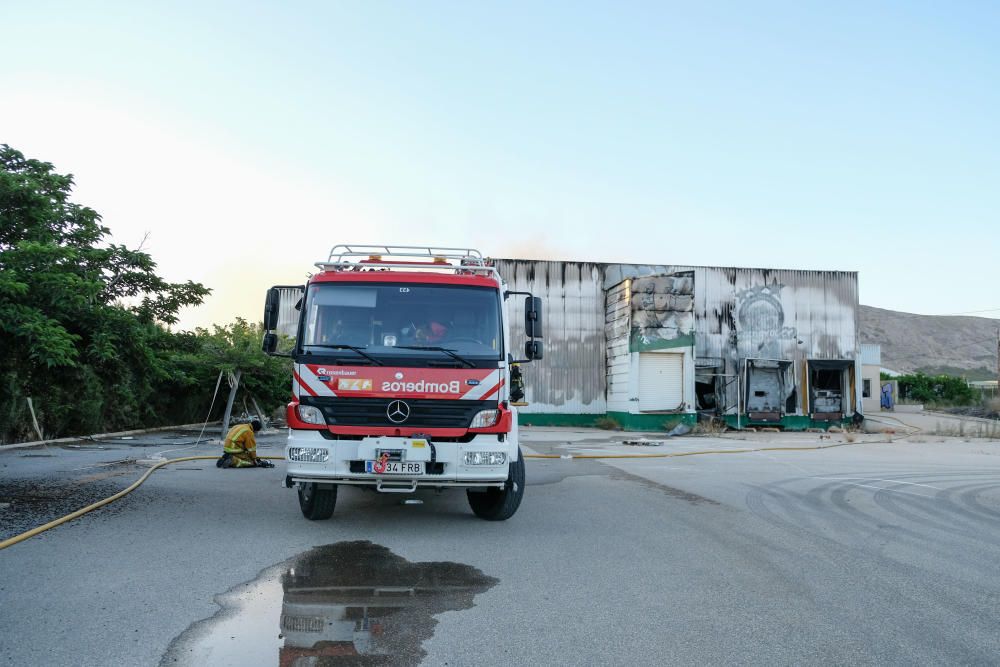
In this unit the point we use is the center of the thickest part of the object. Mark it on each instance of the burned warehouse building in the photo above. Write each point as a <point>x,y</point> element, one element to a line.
<point>653,346</point>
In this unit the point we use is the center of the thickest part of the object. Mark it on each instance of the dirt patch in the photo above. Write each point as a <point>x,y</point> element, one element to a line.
<point>679,494</point>
<point>27,503</point>
<point>545,472</point>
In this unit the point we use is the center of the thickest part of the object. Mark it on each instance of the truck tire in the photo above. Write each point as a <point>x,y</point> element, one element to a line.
<point>500,504</point>
<point>317,504</point>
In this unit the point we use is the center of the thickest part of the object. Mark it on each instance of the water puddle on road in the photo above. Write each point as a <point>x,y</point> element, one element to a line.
<point>350,603</point>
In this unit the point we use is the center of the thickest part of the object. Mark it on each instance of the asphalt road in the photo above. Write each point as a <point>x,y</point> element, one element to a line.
<point>879,552</point>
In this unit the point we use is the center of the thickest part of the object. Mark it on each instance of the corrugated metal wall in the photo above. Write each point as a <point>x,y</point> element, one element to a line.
<point>571,377</point>
<point>617,328</point>
<point>776,314</point>
<point>871,354</point>
<point>288,315</point>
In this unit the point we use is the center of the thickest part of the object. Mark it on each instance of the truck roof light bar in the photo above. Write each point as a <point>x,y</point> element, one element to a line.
<point>488,271</point>
<point>365,257</point>
<point>347,252</point>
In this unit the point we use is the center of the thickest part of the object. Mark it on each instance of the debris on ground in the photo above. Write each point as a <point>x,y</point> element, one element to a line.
<point>680,429</point>
<point>644,442</point>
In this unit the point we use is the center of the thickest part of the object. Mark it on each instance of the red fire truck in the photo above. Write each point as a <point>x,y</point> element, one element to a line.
<point>403,376</point>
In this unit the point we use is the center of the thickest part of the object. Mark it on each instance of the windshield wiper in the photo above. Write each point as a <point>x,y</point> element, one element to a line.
<point>438,349</point>
<point>354,348</point>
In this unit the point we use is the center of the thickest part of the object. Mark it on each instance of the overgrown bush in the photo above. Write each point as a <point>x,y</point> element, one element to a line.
<point>940,389</point>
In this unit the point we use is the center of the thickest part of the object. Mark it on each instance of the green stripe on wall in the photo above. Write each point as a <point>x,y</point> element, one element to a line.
<point>624,420</point>
<point>557,419</point>
<point>636,343</point>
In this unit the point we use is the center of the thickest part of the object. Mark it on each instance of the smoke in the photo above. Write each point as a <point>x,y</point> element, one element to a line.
<point>539,248</point>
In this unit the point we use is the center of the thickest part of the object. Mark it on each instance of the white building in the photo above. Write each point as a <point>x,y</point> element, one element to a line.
<point>871,378</point>
<point>650,346</point>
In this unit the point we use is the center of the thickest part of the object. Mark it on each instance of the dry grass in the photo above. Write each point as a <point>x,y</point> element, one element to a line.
<point>714,427</point>
<point>608,424</point>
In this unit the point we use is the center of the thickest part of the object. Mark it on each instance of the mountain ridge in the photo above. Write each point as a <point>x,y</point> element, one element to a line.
<point>953,344</point>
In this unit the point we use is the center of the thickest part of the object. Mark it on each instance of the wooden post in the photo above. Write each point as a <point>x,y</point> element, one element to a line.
<point>34,419</point>
<point>229,404</point>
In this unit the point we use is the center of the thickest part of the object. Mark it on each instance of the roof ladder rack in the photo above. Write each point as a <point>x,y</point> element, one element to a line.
<point>375,257</point>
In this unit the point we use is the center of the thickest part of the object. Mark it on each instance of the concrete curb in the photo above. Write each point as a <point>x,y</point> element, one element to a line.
<point>948,415</point>
<point>139,431</point>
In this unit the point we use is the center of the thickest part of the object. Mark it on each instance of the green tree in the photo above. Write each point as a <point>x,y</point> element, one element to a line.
<point>229,348</point>
<point>936,389</point>
<point>81,319</point>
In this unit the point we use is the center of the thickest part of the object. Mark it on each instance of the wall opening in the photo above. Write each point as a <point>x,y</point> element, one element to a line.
<point>768,388</point>
<point>830,383</point>
<point>706,390</point>
<point>709,385</point>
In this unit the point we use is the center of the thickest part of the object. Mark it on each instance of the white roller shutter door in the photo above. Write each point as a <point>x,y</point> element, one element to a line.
<point>661,381</point>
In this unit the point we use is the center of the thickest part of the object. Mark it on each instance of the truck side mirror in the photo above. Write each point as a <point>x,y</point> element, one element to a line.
<point>271,306</point>
<point>533,317</point>
<point>280,322</point>
<point>533,350</point>
<point>270,343</point>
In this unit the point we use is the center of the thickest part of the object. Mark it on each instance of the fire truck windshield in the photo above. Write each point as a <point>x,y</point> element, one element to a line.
<point>397,320</point>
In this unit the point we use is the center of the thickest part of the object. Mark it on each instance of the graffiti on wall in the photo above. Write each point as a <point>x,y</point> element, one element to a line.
<point>662,311</point>
<point>760,321</point>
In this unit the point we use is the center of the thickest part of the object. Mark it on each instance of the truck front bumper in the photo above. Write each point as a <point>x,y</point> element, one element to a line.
<point>312,458</point>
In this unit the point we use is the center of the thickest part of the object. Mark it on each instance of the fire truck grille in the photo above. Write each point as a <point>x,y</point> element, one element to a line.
<point>424,412</point>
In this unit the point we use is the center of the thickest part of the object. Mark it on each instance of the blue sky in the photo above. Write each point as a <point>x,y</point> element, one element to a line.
<point>248,138</point>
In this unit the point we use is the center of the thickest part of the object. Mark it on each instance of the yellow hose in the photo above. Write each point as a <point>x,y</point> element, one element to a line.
<point>11,541</point>
<point>698,453</point>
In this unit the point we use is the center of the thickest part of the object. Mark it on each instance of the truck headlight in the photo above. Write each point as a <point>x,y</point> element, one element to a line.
<point>308,454</point>
<point>485,458</point>
<point>311,414</point>
<point>485,418</point>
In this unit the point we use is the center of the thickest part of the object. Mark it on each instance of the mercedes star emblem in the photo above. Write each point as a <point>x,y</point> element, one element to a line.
<point>398,412</point>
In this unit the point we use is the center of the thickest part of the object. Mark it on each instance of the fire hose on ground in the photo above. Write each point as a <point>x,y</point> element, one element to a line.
<point>124,492</point>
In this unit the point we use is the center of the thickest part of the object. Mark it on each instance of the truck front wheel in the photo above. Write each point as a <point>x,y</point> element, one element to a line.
<point>500,504</point>
<point>315,502</point>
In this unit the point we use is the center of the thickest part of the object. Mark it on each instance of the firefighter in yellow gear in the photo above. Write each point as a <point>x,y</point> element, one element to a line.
<point>240,446</point>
